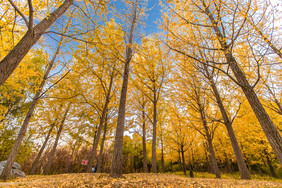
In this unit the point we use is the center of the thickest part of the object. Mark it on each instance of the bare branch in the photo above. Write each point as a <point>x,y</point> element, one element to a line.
<point>20,13</point>
<point>30,23</point>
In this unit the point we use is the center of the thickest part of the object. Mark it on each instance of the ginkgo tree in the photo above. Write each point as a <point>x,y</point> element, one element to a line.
<point>226,29</point>
<point>97,89</point>
<point>15,95</point>
<point>38,94</point>
<point>139,104</point>
<point>178,134</point>
<point>151,70</point>
<point>33,32</point>
<point>135,12</point>
<point>100,66</point>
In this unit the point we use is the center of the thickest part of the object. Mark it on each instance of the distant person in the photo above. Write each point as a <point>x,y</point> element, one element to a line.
<point>93,169</point>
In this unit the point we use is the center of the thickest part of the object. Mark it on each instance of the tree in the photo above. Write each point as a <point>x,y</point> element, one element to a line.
<point>6,171</point>
<point>9,63</point>
<point>139,103</point>
<point>103,73</point>
<point>194,94</point>
<point>134,8</point>
<point>179,133</point>
<point>152,71</point>
<point>52,153</point>
<point>226,34</point>
<point>36,161</point>
<point>244,172</point>
<point>99,161</point>
<point>259,20</point>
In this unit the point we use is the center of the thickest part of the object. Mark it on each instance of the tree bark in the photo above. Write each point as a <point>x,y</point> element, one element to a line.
<point>162,160</point>
<point>207,158</point>
<point>179,157</point>
<point>244,172</point>
<point>145,164</point>
<point>183,160</point>
<point>266,123</point>
<point>14,57</point>
<point>212,157</point>
<point>7,169</point>
<point>52,153</point>
<point>208,136</point>
<point>116,170</point>
<point>227,164</point>
<point>36,161</point>
<point>269,164</point>
<point>99,131</point>
<point>99,167</point>
<point>154,142</point>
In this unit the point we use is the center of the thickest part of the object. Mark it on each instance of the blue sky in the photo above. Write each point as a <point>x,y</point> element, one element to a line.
<point>152,11</point>
<point>154,15</point>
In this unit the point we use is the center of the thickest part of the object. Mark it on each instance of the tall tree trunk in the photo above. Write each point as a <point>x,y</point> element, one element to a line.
<point>42,162</point>
<point>227,164</point>
<point>154,142</point>
<point>52,153</point>
<point>266,123</point>
<point>269,164</point>
<point>212,157</point>
<point>145,164</point>
<point>137,160</point>
<point>193,159</point>
<point>7,169</point>
<point>36,161</point>
<point>14,57</point>
<point>179,157</point>
<point>207,157</point>
<point>162,160</point>
<point>244,172</point>
<point>99,168</point>
<point>116,170</point>
<point>99,131</point>
<point>183,159</point>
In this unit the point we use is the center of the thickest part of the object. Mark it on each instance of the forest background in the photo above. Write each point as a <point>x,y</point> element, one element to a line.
<point>136,86</point>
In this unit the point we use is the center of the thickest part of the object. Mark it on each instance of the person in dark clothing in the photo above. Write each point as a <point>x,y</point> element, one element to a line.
<point>94,169</point>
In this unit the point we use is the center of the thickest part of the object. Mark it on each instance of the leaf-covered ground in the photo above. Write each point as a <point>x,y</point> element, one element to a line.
<point>131,180</point>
